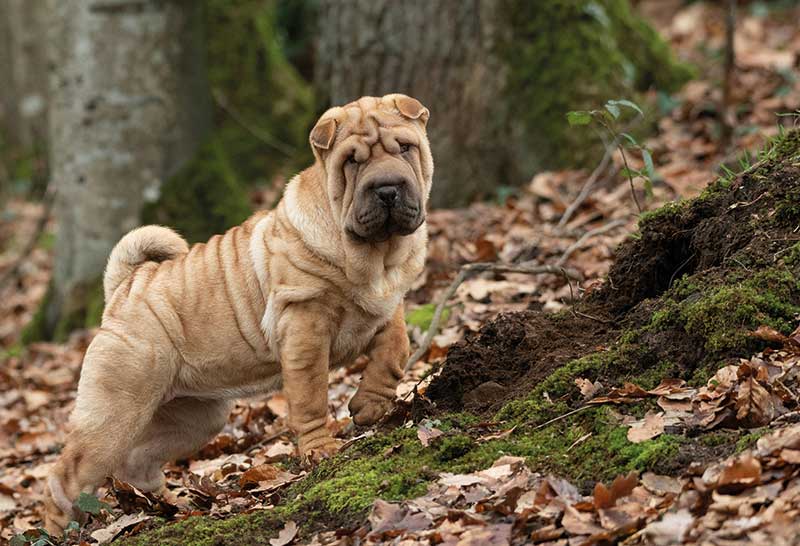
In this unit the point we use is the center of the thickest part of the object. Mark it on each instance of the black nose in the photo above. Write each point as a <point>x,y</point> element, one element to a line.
<point>388,193</point>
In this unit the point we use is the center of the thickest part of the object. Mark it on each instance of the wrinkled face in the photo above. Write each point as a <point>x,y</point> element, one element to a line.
<point>378,166</point>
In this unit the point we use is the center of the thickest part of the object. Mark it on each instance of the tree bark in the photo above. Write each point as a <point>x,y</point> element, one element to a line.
<point>23,71</point>
<point>497,75</point>
<point>439,52</point>
<point>129,106</point>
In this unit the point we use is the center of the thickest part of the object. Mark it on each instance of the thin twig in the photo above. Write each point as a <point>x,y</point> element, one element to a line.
<point>466,271</point>
<point>41,224</point>
<point>630,178</point>
<point>268,439</point>
<point>586,236</point>
<point>588,186</point>
<point>257,132</point>
<point>561,417</point>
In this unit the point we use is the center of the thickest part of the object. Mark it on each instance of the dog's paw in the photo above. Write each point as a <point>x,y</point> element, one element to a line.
<point>57,512</point>
<point>367,409</point>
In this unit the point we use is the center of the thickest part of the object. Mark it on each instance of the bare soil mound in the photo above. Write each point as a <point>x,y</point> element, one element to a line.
<point>681,300</point>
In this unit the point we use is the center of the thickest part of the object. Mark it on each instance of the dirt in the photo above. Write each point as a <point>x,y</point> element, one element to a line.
<point>509,355</point>
<point>739,225</point>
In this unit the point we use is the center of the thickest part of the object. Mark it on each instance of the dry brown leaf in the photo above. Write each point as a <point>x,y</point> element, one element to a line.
<point>755,404</point>
<point>118,526</point>
<point>742,471</point>
<point>671,529</point>
<point>661,485</point>
<point>427,434</point>
<point>265,475</point>
<point>648,428</point>
<point>602,496</point>
<point>278,405</point>
<point>286,536</point>
<point>587,388</point>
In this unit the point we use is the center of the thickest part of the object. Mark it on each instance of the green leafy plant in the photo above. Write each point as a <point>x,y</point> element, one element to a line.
<point>40,536</point>
<point>608,119</point>
<point>86,502</point>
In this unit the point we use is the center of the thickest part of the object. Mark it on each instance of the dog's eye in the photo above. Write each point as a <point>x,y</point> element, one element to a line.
<point>404,147</point>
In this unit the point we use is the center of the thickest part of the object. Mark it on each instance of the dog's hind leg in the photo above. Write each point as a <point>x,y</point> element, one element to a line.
<point>120,390</point>
<point>179,428</point>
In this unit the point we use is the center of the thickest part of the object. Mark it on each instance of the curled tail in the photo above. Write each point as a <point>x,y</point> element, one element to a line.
<point>144,244</point>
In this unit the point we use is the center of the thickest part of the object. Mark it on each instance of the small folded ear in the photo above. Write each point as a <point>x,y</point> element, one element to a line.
<point>411,108</point>
<point>323,133</point>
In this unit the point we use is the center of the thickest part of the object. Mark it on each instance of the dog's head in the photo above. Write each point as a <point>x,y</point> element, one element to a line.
<point>378,165</point>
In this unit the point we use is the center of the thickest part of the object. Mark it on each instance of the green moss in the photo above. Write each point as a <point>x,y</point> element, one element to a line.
<point>453,447</point>
<point>36,329</point>
<point>792,257</point>
<point>204,198</point>
<point>256,528</point>
<point>423,316</point>
<point>263,111</point>
<point>83,310</point>
<point>748,440</point>
<point>724,315</point>
<point>672,208</point>
<point>395,466</point>
<point>603,49</point>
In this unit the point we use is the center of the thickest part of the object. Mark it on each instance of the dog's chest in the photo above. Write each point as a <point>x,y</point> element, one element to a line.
<point>354,331</point>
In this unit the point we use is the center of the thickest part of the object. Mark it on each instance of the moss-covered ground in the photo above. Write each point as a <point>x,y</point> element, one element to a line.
<point>716,273</point>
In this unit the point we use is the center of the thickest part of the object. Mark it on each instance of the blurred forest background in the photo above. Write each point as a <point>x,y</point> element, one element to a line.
<point>181,113</point>
<point>195,113</point>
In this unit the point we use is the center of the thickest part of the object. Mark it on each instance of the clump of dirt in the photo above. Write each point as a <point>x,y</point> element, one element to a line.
<point>508,355</point>
<point>672,296</point>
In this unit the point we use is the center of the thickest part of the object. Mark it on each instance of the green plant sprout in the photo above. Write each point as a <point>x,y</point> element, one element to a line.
<point>40,537</point>
<point>608,118</point>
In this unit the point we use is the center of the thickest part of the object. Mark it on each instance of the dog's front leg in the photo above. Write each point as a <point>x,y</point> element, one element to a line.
<point>304,341</point>
<point>388,353</point>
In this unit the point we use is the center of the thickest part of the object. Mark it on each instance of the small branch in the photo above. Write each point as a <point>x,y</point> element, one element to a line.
<point>561,417</point>
<point>585,237</point>
<point>466,271</point>
<point>41,224</point>
<point>257,132</point>
<point>630,178</point>
<point>588,186</point>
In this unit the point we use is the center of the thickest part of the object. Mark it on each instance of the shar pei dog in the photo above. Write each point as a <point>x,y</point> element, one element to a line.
<point>277,300</point>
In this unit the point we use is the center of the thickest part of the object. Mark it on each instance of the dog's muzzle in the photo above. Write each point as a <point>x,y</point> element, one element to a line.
<point>385,207</point>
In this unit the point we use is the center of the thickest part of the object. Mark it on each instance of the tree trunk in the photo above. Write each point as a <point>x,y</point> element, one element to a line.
<point>129,107</point>
<point>497,75</point>
<point>440,53</point>
<point>23,71</point>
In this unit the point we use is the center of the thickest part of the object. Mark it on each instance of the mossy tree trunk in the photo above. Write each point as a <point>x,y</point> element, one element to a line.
<point>129,108</point>
<point>497,75</point>
<point>23,71</point>
<point>439,52</point>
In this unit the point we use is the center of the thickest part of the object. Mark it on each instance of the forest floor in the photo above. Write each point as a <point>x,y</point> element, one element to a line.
<point>657,382</point>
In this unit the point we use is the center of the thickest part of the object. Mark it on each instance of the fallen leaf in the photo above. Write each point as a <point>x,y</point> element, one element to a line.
<point>661,485</point>
<point>426,433</point>
<point>587,388</point>
<point>118,526</point>
<point>671,529</point>
<point>278,405</point>
<point>286,536</point>
<point>742,471</point>
<point>648,428</point>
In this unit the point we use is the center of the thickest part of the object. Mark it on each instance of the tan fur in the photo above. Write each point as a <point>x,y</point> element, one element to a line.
<point>282,297</point>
